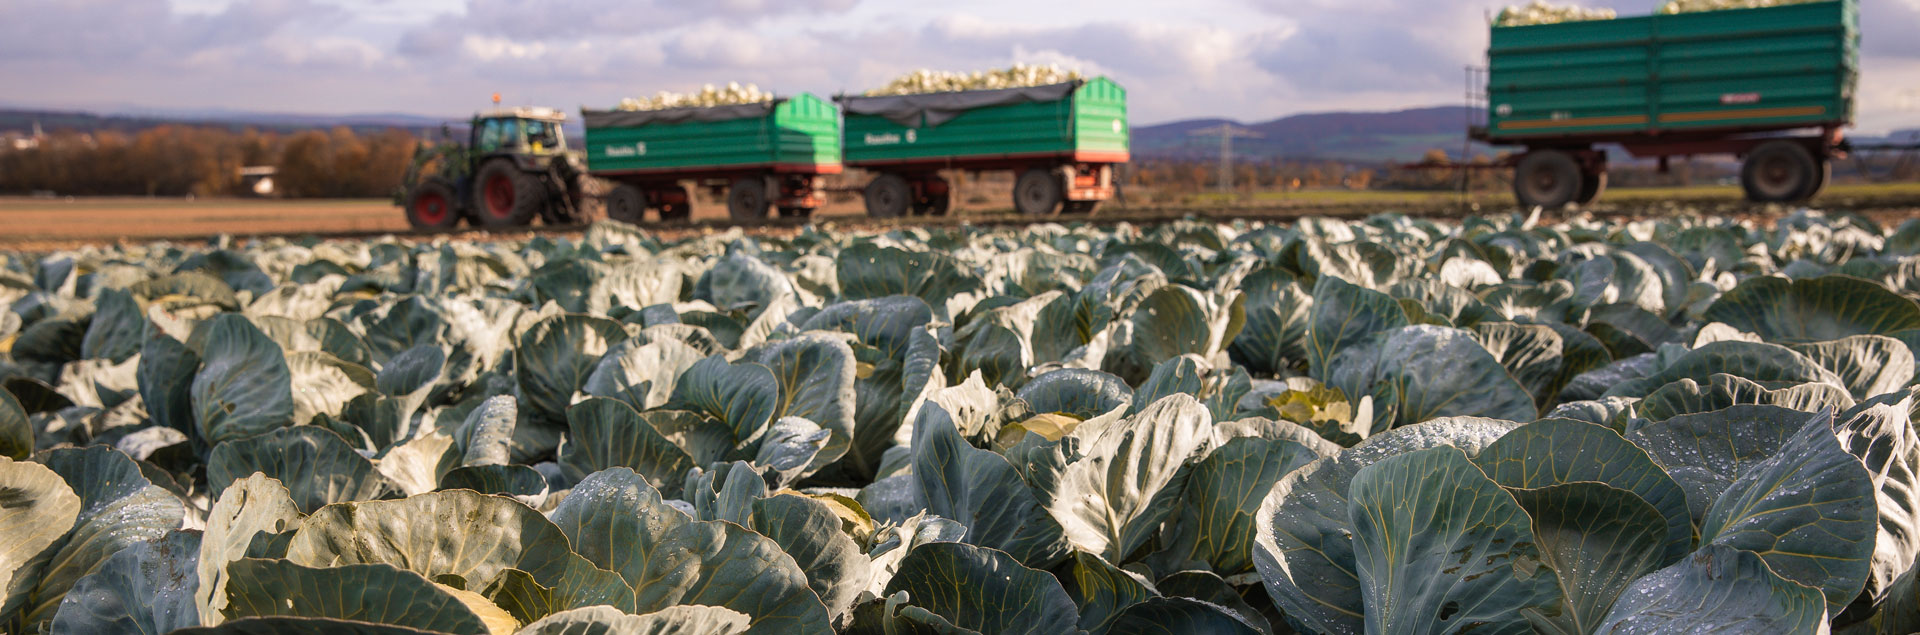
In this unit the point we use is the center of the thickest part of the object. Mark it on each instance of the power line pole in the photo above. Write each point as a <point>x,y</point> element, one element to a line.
<point>1226,132</point>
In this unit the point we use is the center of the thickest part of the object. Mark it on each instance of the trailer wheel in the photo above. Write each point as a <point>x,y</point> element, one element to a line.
<point>627,204</point>
<point>747,199</point>
<point>1085,208</point>
<point>1547,178</point>
<point>888,196</point>
<point>1779,172</point>
<point>430,206</point>
<point>504,196</point>
<point>1820,179</point>
<point>1037,192</point>
<point>678,205</point>
<point>1591,188</point>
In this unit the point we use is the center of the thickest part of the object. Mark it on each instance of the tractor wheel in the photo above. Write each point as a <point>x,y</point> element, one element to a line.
<point>1779,172</point>
<point>627,204</point>
<point>679,210</point>
<point>1037,192</point>
<point>1547,178</point>
<point>747,199</point>
<point>504,196</point>
<point>1083,208</point>
<point>1591,187</point>
<point>430,207</point>
<point>889,196</point>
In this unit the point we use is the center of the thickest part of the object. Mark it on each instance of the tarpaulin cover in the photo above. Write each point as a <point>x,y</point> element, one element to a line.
<point>939,108</point>
<point>636,118</point>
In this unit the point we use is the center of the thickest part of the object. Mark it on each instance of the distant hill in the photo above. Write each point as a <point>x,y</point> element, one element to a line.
<point>1361,137</point>
<point>21,120</point>
<point>1367,137</point>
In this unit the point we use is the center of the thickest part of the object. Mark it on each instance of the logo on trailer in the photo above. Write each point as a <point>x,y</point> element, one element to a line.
<point>912,136</point>
<point>888,139</point>
<point>1731,99</point>
<point>619,152</point>
<point>1116,126</point>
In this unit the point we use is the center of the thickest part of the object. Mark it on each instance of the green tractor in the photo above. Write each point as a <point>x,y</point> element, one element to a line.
<point>513,168</point>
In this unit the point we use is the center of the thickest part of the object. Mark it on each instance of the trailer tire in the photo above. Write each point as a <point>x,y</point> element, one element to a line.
<point>504,196</point>
<point>1547,178</point>
<point>1820,179</point>
<point>1037,192</point>
<point>889,196</point>
<point>1779,171</point>
<point>1591,188</point>
<point>627,204</point>
<point>430,206</point>
<point>747,199</point>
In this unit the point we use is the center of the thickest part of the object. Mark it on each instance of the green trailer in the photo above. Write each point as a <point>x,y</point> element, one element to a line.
<point>1773,86</point>
<point>1062,141</point>
<point>764,155</point>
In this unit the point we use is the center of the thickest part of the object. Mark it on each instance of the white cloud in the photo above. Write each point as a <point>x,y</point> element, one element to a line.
<point>1245,59</point>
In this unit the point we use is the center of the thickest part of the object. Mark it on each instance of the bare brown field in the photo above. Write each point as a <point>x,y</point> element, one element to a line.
<point>40,224</point>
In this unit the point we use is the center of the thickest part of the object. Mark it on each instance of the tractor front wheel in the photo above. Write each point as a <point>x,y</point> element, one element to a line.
<point>430,207</point>
<point>505,196</point>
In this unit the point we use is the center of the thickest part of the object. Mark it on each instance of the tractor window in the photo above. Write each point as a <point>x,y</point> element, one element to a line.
<point>495,133</point>
<point>544,136</point>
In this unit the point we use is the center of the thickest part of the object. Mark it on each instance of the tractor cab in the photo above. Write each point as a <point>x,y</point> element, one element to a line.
<point>531,131</point>
<point>514,168</point>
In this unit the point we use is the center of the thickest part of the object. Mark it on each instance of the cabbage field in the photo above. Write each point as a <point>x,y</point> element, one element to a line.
<point>1390,425</point>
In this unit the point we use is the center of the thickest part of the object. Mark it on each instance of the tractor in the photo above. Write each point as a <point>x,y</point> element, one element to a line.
<point>513,168</point>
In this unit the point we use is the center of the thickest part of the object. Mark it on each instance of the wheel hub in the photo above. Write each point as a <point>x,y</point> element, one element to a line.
<point>430,209</point>
<point>500,196</point>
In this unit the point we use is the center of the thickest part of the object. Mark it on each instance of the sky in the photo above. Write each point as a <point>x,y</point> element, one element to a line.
<point>1250,60</point>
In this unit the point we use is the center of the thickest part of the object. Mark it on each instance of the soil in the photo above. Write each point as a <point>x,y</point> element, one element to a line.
<point>38,224</point>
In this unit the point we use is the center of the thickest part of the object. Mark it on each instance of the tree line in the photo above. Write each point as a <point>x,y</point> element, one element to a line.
<point>205,161</point>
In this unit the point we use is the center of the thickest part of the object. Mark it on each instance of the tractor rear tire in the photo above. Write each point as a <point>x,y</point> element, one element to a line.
<point>747,199</point>
<point>1779,172</point>
<point>1037,192</point>
<point>430,207</point>
<point>1547,178</point>
<point>504,196</point>
<point>889,196</point>
<point>627,204</point>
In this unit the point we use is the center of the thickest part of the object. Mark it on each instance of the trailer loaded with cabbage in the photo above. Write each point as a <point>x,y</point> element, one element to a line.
<point>762,155</point>
<point>1771,85</point>
<point>1061,140</point>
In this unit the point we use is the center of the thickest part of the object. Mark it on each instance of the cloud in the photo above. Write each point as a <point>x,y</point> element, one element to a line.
<point>541,19</point>
<point>1247,59</point>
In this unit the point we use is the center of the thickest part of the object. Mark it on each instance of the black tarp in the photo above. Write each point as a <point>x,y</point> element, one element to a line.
<point>636,118</point>
<point>939,108</point>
